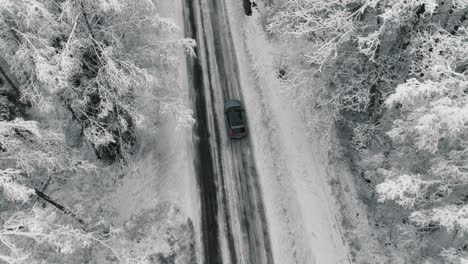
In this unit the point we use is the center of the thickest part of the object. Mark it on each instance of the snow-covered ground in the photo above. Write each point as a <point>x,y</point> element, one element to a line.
<point>301,211</point>
<point>163,164</point>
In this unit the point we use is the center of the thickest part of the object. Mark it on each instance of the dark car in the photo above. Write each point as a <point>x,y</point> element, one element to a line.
<point>235,119</point>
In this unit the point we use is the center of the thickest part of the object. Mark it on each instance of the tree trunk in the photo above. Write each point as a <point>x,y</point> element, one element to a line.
<point>59,206</point>
<point>10,81</point>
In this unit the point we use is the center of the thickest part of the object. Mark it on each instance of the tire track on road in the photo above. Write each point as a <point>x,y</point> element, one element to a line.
<point>231,171</point>
<point>204,163</point>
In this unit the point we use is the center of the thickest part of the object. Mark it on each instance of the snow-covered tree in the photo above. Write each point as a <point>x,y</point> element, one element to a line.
<point>28,148</point>
<point>80,57</point>
<point>454,256</point>
<point>26,235</point>
<point>430,116</point>
<point>450,217</point>
<point>405,189</point>
<point>392,15</point>
<point>32,158</point>
<point>327,23</point>
<point>433,107</point>
<point>394,74</point>
<point>41,227</point>
<point>75,52</point>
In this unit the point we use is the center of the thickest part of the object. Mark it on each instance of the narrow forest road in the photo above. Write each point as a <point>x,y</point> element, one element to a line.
<point>233,225</point>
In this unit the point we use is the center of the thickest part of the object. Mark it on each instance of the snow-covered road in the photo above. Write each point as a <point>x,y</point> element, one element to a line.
<point>266,198</point>
<point>232,220</point>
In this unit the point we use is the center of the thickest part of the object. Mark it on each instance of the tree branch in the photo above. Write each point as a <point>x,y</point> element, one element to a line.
<point>59,206</point>
<point>88,24</point>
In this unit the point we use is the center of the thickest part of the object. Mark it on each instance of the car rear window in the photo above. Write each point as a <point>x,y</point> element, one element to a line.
<point>235,118</point>
<point>240,130</point>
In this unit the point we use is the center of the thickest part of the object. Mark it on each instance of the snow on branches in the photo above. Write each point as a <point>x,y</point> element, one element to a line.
<point>454,256</point>
<point>76,53</point>
<point>430,130</point>
<point>29,149</point>
<point>392,14</point>
<point>394,74</point>
<point>449,217</point>
<point>41,227</point>
<point>31,157</point>
<point>434,106</point>
<point>12,189</point>
<point>26,235</point>
<point>330,24</point>
<point>404,189</point>
<point>326,23</point>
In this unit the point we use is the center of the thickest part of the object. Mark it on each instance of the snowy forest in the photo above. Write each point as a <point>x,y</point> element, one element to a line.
<point>85,86</point>
<point>394,89</point>
<point>75,81</point>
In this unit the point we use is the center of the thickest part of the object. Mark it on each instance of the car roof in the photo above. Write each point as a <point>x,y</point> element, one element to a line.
<point>235,117</point>
<point>232,103</point>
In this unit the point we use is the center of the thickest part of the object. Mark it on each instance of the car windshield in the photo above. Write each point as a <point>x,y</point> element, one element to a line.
<point>235,118</point>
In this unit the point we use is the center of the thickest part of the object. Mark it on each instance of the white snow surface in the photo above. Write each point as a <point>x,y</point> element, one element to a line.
<point>164,166</point>
<point>300,207</point>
